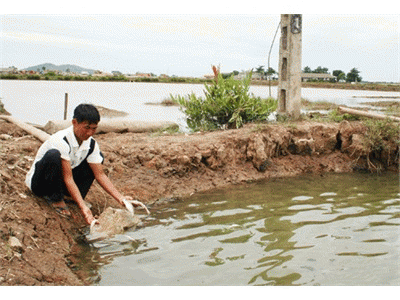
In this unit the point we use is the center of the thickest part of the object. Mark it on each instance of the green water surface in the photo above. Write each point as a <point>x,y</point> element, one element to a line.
<point>336,229</point>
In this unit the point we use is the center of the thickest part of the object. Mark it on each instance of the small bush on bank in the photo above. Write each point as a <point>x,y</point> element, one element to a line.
<point>380,132</point>
<point>381,143</point>
<point>338,117</point>
<point>2,109</point>
<point>227,102</point>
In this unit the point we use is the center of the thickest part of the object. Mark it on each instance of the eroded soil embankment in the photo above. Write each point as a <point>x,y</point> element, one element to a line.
<point>152,168</point>
<point>157,169</point>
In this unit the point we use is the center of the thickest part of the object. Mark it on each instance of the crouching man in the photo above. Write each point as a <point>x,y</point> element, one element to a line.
<point>67,164</point>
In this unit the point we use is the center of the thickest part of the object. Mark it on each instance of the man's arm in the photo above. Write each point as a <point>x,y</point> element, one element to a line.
<point>106,183</point>
<point>74,190</point>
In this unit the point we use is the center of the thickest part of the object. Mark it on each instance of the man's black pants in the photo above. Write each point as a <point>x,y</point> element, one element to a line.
<point>47,181</point>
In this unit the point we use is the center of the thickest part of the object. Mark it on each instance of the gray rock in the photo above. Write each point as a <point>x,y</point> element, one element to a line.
<point>5,136</point>
<point>15,244</point>
<point>111,222</point>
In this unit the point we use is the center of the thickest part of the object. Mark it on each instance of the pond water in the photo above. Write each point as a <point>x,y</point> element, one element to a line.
<point>38,102</point>
<point>336,229</point>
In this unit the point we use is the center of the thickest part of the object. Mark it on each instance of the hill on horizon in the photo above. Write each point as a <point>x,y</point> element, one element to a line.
<point>62,68</point>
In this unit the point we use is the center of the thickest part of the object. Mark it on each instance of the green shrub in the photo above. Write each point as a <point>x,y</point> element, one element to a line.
<point>9,76</point>
<point>146,79</point>
<point>227,103</point>
<point>177,79</point>
<point>338,117</point>
<point>119,78</point>
<point>79,78</point>
<point>33,77</point>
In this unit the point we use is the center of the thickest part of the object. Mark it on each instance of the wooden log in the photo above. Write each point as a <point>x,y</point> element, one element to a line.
<point>366,114</point>
<point>37,133</point>
<point>114,125</point>
<point>65,106</point>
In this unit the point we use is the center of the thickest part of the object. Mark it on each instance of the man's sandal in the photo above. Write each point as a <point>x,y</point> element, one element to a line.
<point>60,208</point>
<point>62,211</point>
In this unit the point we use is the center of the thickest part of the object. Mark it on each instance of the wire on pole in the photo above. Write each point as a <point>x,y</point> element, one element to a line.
<point>269,55</point>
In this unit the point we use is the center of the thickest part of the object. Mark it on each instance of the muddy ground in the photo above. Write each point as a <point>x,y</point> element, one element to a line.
<point>35,242</point>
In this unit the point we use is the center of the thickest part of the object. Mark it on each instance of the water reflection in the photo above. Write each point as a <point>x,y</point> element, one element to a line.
<point>331,230</point>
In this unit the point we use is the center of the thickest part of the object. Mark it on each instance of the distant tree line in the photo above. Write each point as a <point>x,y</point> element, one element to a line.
<point>265,74</point>
<point>352,76</point>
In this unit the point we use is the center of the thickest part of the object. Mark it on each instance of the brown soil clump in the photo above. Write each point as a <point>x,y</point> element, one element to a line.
<point>155,169</point>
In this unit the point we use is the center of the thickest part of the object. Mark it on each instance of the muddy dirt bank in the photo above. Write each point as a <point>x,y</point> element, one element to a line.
<point>158,168</point>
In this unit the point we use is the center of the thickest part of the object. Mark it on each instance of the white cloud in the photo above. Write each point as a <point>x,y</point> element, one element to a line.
<point>43,38</point>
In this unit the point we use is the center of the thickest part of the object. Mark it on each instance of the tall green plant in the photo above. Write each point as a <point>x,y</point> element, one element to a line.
<point>227,102</point>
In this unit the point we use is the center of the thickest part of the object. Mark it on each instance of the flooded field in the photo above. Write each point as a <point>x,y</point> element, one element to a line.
<point>40,101</point>
<point>336,229</point>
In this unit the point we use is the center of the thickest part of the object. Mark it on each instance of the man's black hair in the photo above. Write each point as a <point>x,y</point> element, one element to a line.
<point>86,112</point>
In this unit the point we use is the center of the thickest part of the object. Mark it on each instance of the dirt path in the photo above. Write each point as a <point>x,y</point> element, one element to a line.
<point>35,242</point>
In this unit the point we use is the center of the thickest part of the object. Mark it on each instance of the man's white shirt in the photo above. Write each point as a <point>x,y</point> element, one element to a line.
<point>70,151</point>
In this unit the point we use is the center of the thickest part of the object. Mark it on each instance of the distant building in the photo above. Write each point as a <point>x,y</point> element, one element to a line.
<point>30,72</point>
<point>257,76</point>
<point>242,75</point>
<point>99,73</point>
<point>145,75</point>
<point>116,73</point>
<point>138,75</point>
<point>316,76</point>
<point>8,70</point>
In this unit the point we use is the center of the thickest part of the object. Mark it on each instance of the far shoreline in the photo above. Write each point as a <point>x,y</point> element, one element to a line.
<point>381,87</point>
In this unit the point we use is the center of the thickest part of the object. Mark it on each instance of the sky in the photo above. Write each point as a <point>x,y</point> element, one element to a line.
<point>161,39</point>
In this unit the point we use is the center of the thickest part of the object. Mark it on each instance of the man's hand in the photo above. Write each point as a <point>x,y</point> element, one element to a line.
<point>123,201</point>
<point>87,213</point>
<point>128,198</point>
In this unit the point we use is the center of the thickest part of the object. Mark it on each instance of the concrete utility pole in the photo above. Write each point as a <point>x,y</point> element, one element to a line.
<point>289,84</point>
